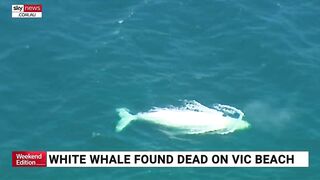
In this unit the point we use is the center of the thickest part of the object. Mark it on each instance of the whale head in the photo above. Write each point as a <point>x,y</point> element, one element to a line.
<point>242,124</point>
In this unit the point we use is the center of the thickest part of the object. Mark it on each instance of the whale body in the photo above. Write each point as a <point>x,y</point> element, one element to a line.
<point>193,118</point>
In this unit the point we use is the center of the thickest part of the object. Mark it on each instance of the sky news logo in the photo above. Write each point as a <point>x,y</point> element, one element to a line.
<point>27,11</point>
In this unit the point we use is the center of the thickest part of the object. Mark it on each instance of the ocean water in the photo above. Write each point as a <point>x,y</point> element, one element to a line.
<point>63,76</point>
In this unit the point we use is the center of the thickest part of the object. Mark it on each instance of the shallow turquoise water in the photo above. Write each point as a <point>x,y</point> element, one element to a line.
<point>63,76</point>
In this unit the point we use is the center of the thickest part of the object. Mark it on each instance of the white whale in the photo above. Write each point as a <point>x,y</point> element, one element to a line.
<point>193,118</point>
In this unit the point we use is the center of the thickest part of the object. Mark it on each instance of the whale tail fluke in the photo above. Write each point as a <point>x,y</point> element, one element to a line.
<point>125,120</point>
